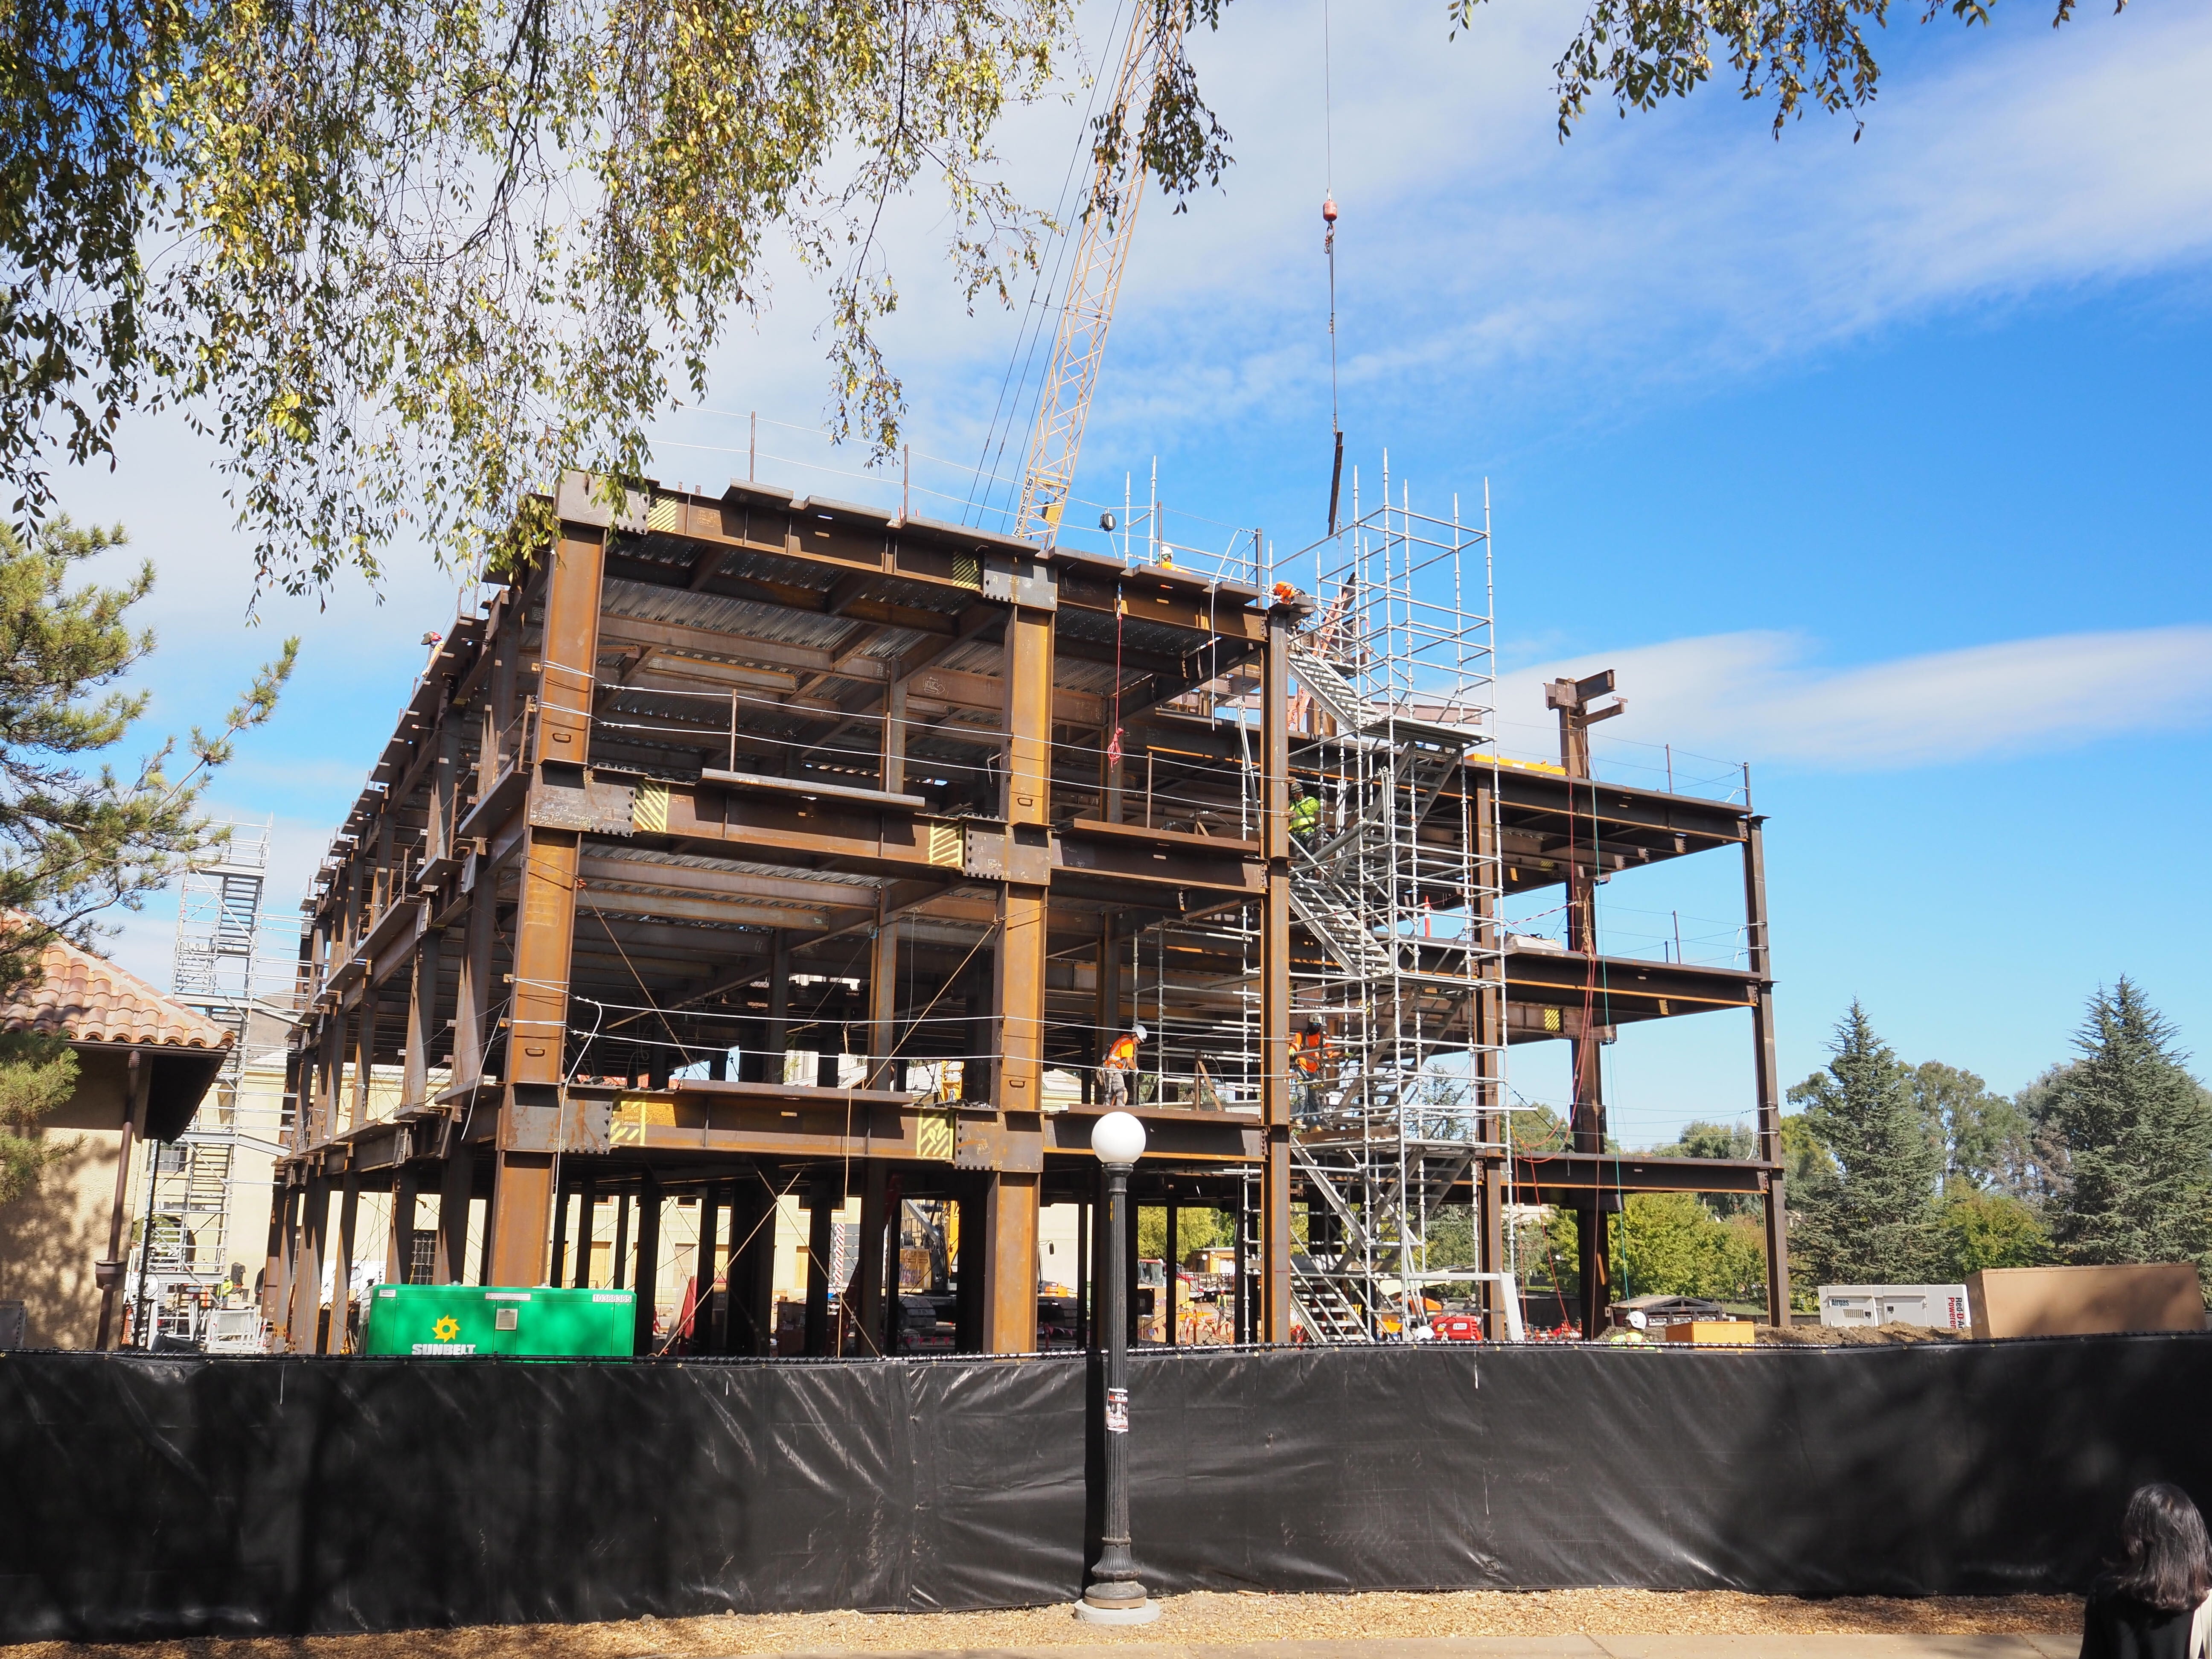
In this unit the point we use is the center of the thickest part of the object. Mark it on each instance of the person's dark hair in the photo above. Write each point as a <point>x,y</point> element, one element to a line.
<point>2165,1560</point>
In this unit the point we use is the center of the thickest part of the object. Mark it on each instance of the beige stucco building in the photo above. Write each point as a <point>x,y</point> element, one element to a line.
<point>144,1065</point>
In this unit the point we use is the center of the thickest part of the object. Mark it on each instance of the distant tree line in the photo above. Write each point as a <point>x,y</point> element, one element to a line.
<point>1906,1175</point>
<point>1901,1174</point>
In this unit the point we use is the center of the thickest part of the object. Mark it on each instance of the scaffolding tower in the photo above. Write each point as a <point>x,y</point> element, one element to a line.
<point>186,1241</point>
<point>1398,1039</point>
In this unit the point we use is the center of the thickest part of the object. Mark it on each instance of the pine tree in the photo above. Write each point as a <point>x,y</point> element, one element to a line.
<point>75,843</point>
<point>1870,1218</point>
<point>2137,1132</point>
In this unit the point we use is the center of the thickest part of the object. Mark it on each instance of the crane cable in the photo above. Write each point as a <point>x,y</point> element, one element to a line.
<point>1329,248</point>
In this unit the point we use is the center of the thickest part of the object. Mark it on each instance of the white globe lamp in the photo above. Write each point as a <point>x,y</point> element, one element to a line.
<point>1118,1138</point>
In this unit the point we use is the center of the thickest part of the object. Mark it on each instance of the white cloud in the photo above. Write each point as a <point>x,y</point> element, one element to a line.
<point>1759,697</point>
<point>1673,245</point>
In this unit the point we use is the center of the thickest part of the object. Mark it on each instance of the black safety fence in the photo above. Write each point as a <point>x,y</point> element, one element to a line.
<point>150,1497</point>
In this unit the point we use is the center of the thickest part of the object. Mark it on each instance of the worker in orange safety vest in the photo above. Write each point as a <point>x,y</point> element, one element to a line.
<point>1121,1061</point>
<point>1308,1055</point>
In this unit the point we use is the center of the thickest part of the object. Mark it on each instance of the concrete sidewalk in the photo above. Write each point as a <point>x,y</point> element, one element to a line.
<point>1715,1646</point>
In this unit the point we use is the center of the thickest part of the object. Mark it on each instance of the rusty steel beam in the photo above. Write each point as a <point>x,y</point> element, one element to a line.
<point>1582,1178</point>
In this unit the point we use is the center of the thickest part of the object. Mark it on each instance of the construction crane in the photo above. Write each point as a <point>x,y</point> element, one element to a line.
<point>1109,218</point>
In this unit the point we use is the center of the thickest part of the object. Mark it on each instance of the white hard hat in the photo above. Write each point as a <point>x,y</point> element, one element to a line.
<point>1139,1032</point>
<point>1636,1318</point>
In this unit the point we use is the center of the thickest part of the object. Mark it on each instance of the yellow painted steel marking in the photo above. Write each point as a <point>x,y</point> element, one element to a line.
<point>934,1136</point>
<point>666,513</point>
<point>1551,1019</point>
<point>648,807</point>
<point>946,845</point>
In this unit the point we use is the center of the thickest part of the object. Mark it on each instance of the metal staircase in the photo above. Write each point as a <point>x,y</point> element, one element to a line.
<point>1397,889</point>
<point>185,1240</point>
<point>1317,1294</point>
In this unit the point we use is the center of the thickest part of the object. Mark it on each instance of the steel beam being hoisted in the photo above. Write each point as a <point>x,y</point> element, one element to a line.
<point>1101,250</point>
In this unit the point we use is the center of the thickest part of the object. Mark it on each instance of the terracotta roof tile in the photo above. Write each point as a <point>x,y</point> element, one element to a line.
<point>89,999</point>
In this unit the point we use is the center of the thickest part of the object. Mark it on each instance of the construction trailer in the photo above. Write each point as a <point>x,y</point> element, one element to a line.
<point>755,851</point>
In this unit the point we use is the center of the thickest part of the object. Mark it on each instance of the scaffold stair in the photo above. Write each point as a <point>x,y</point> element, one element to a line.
<point>1328,1314</point>
<point>1328,687</point>
<point>1333,919</point>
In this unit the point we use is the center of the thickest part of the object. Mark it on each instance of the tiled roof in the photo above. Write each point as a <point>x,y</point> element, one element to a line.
<point>89,999</point>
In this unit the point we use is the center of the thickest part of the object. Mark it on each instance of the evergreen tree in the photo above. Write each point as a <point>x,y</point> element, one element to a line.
<point>1870,1218</point>
<point>75,843</point>
<point>2137,1132</point>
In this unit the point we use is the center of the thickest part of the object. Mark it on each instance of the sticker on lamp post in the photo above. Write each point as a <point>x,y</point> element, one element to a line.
<point>1117,1411</point>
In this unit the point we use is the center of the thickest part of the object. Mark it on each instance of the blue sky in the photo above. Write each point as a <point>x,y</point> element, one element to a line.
<point>1881,465</point>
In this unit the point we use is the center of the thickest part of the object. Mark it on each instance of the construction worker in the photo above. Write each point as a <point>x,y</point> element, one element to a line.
<point>1305,811</point>
<point>1632,1334</point>
<point>1121,1061</point>
<point>1307,1055</point>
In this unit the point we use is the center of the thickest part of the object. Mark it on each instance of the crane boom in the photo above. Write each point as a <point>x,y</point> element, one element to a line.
<point>1101,251</point>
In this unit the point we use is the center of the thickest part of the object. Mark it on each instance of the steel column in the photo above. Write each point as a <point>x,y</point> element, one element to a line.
<point>867,1319</point>
<point>1767,1071</point>
<point>894,774</point>
<point>587,1222</point>
<point>364,1053</point>
<point>1275,984</point>
<point>399,1238</point>
<point>704,1269</point>
<point>303,1329</point>
<point>647,1279</point>
<point>825,1197</point>
<point>748,1321</point>
<point>1106,1006</point>
<point>1489,1016</point>
<point>1010,1302</point>
<point>275,1297</point>
<point>473,1003</point>
<point>779,1002</point>
<point>456,1189</point>
<point>330,1081</point>
<point>422,1019</point>
<point>883,996</point>
<point>337,1336</point>
<point>545,930</point>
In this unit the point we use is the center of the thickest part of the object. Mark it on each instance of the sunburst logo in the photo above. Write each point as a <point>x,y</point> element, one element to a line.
<point>447,1328</point>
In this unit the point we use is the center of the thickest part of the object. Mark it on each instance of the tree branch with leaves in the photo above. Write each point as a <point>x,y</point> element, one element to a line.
<point>407,262</point>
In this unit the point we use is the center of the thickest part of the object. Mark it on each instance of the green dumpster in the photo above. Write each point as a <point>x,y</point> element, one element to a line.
<point>436,1321</point>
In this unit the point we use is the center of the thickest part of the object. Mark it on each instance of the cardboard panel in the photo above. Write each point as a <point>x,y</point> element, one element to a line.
<point>2085,1301</point>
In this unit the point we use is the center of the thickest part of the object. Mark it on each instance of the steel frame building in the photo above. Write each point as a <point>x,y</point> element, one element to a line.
<point>701,845</point>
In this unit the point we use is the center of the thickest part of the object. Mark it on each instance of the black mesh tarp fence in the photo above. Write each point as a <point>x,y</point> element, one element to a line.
<point>144,1497</point>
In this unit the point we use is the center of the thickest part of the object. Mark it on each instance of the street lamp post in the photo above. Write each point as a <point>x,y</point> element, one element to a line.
<point>1115,1595</point>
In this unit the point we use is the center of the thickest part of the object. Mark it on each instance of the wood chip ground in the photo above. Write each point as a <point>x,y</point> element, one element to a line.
<point>1204,1619</point>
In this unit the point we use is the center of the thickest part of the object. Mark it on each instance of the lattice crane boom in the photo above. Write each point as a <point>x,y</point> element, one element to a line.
<point>1102,252</point>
